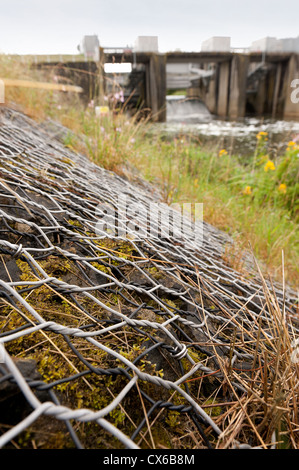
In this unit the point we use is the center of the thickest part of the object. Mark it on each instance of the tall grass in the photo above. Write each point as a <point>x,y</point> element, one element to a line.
<point>37,103</point>
<point>267,414</point>
<point>255,205</point>
<point>255,201</point>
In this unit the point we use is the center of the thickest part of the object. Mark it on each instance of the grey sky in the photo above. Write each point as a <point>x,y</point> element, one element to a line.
<point>57,26</point>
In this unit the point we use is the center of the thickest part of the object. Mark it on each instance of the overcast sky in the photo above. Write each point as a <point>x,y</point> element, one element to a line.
<point>58,26</point>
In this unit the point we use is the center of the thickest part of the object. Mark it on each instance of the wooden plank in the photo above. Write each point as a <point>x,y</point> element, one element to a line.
<point>12,82</point>
<point>102,84</point>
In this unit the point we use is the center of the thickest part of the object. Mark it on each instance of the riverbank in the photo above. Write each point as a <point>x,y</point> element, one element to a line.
<point>253,199</point>
<point>246,179</point>
<point>155,342</point>
<point>111,339</point>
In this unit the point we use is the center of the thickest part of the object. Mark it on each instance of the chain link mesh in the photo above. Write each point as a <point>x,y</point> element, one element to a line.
<point>129,334</point>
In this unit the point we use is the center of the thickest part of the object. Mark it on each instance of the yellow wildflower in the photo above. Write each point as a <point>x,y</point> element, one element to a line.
<point>263,158</point>
<point>247,190</point>
<point>262,135</point>
<point>292,146</point>
<point>222,152</point>
<point>269,165</point>
<point>282,188</point>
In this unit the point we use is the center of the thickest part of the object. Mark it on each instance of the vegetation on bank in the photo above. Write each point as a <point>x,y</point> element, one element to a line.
<point>255,199</point>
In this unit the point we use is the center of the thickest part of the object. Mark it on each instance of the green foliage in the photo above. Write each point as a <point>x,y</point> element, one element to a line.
<point>213,411</point>
<point>254,199</point>
<point>276,182</point>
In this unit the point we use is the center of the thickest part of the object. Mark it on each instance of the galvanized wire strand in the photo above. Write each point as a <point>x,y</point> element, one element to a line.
<point>172,290</point>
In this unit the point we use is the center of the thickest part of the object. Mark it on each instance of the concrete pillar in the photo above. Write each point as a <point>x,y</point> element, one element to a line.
<point>261,97</point>
<point>291,107</point>
<point>237,88</point>
<point>223,89</point>
<point>156,87</point>
<point>211,94</point>
<point>270,92</point>
<point>276,91</point>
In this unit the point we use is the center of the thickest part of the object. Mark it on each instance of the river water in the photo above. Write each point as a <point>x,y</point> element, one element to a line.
<point>191,117</point>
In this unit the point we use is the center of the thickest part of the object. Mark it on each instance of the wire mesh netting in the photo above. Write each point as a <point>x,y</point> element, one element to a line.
<point>114,336</point>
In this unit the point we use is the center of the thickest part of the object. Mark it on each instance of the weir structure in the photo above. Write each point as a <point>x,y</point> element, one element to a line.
<point>232,85</point>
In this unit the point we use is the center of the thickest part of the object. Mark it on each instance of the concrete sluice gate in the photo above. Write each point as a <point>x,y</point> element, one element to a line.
<point>102,315</point>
